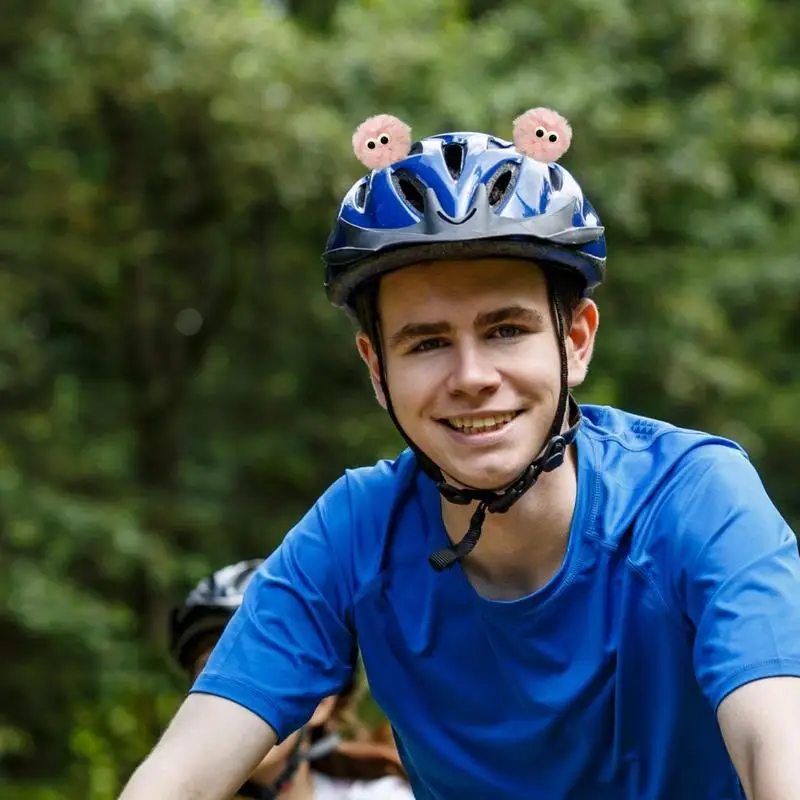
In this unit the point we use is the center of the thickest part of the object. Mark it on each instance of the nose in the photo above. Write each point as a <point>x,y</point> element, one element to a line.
<point>473,372</point>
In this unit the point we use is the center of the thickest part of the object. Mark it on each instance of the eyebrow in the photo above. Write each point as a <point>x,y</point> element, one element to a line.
<point>517,313</point>
<point>415,330</point>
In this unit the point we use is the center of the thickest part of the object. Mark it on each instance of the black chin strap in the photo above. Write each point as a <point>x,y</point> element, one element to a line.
<point>494,501</point>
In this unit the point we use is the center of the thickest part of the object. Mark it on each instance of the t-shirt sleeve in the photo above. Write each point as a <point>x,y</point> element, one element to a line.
<point>291,643</point>
<point>737,573</point>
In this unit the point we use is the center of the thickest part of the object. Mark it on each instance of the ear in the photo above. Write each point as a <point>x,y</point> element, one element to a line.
<point>323,712</point>
<point>368,355</point>
<point>580,340</point>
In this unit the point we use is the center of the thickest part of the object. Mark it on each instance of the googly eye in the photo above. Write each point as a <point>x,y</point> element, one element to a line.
<point>384,139</point>
<point>553,137</point>
<point>371,144</point>
<point>540,132</point>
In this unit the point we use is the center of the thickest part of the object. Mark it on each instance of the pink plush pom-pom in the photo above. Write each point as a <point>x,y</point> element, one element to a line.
<point>381,140</point>
<point>543,134</point>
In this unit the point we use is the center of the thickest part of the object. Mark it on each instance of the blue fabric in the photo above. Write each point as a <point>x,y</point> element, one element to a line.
<point>680,583</point>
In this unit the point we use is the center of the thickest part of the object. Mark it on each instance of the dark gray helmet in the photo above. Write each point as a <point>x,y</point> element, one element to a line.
<point>207,609</point>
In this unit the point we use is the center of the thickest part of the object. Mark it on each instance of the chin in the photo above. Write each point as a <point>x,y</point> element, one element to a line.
<point>484,476</point>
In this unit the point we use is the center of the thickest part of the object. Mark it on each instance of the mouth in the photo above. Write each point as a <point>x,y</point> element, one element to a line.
<point>480,423</point>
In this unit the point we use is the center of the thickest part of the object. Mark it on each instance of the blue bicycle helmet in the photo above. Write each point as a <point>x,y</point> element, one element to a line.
<point>465,196</point>
<point>462,195</point>
<point>207,610</point>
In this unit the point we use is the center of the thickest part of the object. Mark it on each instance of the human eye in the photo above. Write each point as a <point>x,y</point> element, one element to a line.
<point>506,332</point>
<point>427,344</point>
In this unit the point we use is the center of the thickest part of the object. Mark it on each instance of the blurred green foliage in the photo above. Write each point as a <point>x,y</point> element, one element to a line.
<point>175,390</point>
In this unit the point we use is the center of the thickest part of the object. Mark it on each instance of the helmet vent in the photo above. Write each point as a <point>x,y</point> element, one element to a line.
<point>410,189</point>
<point>415,149</point>
<point>361,196</point>
<point>454,158</point>
<point>556,177</point>
<point>500,185</point>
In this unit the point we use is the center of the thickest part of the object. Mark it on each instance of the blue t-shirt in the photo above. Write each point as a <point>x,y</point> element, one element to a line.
<point>680,583</point>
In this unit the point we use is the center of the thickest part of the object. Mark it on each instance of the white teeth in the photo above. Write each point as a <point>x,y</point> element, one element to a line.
<point>478,423</point>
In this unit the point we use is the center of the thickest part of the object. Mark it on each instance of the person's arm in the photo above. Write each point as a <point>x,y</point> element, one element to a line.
<point>207,752</point>
<point>287,647</point>
<point>759,723</point>
<point>737,579</point>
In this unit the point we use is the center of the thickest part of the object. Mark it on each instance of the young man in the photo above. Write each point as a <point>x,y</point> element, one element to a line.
<point>621,618</point>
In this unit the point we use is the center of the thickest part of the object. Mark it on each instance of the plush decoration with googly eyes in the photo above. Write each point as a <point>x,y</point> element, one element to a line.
<point>380,141</point>
<point>542,134</point>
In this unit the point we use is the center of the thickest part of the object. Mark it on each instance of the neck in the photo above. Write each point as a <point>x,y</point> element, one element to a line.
<point>521,550</point>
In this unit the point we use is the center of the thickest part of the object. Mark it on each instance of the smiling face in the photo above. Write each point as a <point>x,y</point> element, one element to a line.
<point>473,365</point>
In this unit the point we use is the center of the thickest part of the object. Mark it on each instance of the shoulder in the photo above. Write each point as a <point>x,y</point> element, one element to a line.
<point>376,485</point>
<point>663,466</point>
<point>715,505</point>
<point>349,523</point>
<point>684,502</point>
<point>703,513</point>
<point>614,430</point>
<point>365,495</point>
<point>366,484</point>
<point>636,462</point>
